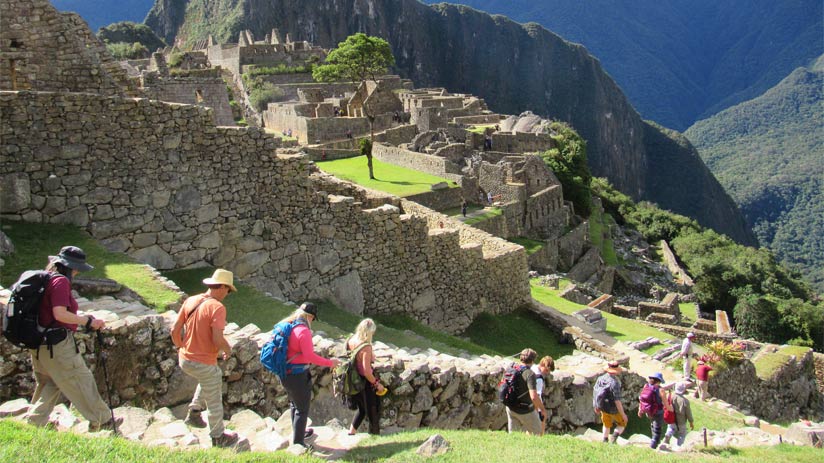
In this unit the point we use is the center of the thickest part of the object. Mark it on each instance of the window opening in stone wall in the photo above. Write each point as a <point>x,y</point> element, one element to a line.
<point>198,96</point>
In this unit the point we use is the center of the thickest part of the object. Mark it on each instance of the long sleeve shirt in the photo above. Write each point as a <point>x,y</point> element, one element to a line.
<point>683,412</point>
<point>301,350</point>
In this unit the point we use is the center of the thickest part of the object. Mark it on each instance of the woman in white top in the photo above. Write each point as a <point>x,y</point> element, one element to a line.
<point>541,370</point>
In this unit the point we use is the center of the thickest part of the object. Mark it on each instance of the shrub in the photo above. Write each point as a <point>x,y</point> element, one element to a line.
<point>175,58</point>
<point>569,163</point>
<point>263,94</point>
<point>123,50</point>
<point>730,353</point>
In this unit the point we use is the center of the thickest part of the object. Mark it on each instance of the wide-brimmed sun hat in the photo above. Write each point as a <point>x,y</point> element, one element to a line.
<point>221,277</point>
<point>614,368</point>
<point>310,308</point>
<point>657,376</point>
<point>72,257</point>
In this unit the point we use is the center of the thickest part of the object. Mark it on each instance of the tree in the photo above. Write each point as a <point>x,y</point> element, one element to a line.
<point>569,163</point>
<point>358,59</point>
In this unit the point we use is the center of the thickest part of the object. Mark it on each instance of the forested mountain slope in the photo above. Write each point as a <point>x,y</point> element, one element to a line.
<point>679,61</point>
<point>769,154</point>
<point>514,67</point>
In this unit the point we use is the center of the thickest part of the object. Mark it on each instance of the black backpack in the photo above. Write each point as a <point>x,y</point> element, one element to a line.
<point>513,391</point>
<point>20,317</point>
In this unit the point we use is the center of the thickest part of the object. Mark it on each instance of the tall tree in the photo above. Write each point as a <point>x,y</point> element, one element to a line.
<point>358,59</point>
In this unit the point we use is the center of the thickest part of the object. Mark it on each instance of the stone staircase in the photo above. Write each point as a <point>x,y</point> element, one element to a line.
<point>165,428</point>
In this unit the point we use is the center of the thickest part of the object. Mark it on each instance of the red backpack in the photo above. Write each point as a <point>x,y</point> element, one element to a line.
<point>669,412</point>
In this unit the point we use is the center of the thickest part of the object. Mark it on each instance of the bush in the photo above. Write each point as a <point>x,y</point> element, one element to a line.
<point>729,353</point>
<point>123,50</point>
<point>569,163</point>
<point>263,94</point>
<point>175,58</point>
<point>757,317</point>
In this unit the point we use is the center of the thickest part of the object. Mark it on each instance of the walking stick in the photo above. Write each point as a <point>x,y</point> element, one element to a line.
<point>102,357</point>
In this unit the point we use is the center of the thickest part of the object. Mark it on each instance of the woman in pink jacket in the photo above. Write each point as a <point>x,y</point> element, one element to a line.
<point>300,353</point>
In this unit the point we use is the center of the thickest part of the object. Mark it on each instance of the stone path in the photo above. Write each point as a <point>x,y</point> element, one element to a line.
<point>166,428</point>
<point>472,214</point>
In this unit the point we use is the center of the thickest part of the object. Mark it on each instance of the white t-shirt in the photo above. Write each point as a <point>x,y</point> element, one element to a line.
<point>686,347</point>
<point>539,379</point>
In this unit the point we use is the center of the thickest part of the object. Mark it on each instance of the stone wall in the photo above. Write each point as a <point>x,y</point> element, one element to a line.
<point>480,119</point>
<point>791,393</point>
<point>43,49</point>
<point>426,388</point>
<point>818,360</point>
<point>545,260</point>
<point>397,135</point>
<point>701,337</point>
<point>440,200</point>
<point>522,142</point>
<point>209,92</point>
<point>426,163</point>
<point>163,184</point>
<point>571,246</point>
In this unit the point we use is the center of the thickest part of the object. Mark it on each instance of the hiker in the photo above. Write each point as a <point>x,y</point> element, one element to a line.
<point>651,404</point>
<point>367,400</point>
<point>58,366</point>
<point>683,413</point>
<point>524,415</point>
<point>349,133</point>
<point>606,399</point>
<point>702,372</point>
<point>463,207</point>
<point>298,383</point>
<point>198,334</point>
<point>541,370</point>
<point>489,197</point>
<point>686,354</point>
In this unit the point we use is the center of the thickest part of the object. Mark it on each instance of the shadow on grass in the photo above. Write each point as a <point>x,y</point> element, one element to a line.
<point>377,451</point>
<point>614,334</point>
<point>397,182</point>
<point>720,451</point>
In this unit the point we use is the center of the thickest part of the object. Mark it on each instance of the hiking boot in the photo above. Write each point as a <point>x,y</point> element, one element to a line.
<point>309,432</point>
<point>194,419</point>
<point>227,439</point>
<point>110,425</point>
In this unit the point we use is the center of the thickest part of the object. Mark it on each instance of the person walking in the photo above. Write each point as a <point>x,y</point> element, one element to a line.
<point>367,400</point>
<point>702,373</point>
<point>651,404</point>
<point>57,364</point>
<point>463,206</point>
<point>683,414</point>
<point>298,381</point>
<point>525,415</point>
<point>198,334</point>
<point>686,354</point>
<point>542,369</point>
<point>607,401</point>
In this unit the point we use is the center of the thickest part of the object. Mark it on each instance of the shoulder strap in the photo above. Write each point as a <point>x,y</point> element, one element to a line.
<point>355,351</point>
<point>192,312</point>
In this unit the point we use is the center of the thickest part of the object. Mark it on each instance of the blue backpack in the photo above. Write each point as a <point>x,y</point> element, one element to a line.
<point>273,353</point>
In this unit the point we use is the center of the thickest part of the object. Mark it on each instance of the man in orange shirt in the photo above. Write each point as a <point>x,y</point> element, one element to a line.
<point>198,333</point>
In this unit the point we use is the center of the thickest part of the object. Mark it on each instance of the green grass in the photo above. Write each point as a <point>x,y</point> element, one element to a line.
<point>33,243</point>
<point>453,211</point>
<point>687,311</point>
<point>248,305</point>
<point>622,329</point>
<point>598,227</point>
<point>766,364</point>
<point>491,212</point>
<point>510,333</point>
<point>23,443</point>
<point>281,135</point>
<point>497,446</point>
<point>531,246</point>
<point>389,178</point>
<point>480,128</point>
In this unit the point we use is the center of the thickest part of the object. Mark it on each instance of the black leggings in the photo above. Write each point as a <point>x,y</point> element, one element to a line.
<point>369,405</point>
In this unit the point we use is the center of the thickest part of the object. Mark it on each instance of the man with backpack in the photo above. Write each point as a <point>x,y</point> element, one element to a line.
<point>518,392</point>
<point>683,413</point>
<point>651,404</point>
<point>606,400</point>
<point>198,333</point>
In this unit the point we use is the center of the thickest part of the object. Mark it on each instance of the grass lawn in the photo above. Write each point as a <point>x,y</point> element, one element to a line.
<point>453,211</point>
<point>280,135</point>
<point>22,443</point>
<point>498,446</point>
<point>766,364</point>
<point>490,212</point>
<point>598,224</point>
<point>33,243</point>
<point>509,334</point>
<point>687,311</point>
<point>531,246</point>
<point>622,329</point>
<point>389,178</point>
<point>248,305</point>
<point>480,128</point>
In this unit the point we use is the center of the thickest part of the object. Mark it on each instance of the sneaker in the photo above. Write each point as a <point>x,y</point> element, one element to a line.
<point>195,420</point>
<point>227,439</point>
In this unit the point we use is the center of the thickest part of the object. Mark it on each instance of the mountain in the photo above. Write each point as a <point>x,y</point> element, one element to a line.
<point>769,154</point>
<point>514,67</point>
<point>683,60</point>
<point>99,13</point>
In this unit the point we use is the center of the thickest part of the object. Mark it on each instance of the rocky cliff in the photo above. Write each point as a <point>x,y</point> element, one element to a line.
<point>513,66</point>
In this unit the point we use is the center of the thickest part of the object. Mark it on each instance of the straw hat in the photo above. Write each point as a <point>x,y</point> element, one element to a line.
<point>221,277</point>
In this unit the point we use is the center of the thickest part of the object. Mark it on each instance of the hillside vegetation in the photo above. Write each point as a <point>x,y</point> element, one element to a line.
<point>769,154</point>
<point>680,61</point>
<point>128,40</point>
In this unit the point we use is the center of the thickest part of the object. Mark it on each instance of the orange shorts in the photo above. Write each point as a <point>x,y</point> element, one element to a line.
<point>613,418</point>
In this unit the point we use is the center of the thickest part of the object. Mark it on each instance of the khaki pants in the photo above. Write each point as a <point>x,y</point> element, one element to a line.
<point>529,422</point>
<point>66,372</point>
<point>703,389</point>
<point>209,392</point>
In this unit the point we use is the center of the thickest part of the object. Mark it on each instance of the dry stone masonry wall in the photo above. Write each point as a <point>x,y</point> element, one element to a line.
<point>162,183</point>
